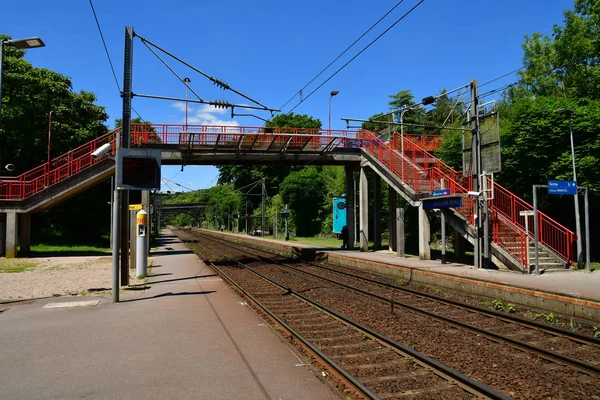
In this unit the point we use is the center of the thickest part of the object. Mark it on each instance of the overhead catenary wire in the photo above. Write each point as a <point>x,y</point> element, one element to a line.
<point>502,76</point>
<point>344,52</point>
<point>358,54</point>
<point>173,71</point>
<point>216,81</point>
<point>112,68</point>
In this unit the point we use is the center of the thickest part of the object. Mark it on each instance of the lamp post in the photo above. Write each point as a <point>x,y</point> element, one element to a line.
<point>186,80</point>
<point>49,135</point>
<point>23,44</point>
<point>569,112</point>
<point>333,93</point>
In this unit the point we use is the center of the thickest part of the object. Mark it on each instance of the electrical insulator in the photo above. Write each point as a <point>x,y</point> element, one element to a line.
<point>428,100</point>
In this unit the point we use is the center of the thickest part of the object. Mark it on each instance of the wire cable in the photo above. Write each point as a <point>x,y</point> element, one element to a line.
<point>172,70</point>
<point>108,56</point>
<point>216,81</point>
<point>344,52</point>
<point>502,76</point>
<point>105,48</point>
<point>358,54</point>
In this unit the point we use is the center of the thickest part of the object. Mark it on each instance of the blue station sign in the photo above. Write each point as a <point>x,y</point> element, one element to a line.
<point>441,192</point>
<point>442,202</point>
<point>562,187</point>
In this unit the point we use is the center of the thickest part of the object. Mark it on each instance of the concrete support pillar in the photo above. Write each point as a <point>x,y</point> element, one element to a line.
<point>377,213</point>
<point>424,235</point>
<point>25,234</point>
<point>459,246</point>
<point>146,206</point>
<point>11,234</point>
<point>392,204</point>
<point>364,210</point>
<point>350,199</point>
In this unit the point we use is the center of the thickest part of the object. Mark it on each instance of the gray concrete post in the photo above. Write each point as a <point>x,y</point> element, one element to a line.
<point>350,200</point>
<point>400,232</point>
<point>424,235</point>
<point>364,210</point>
<point>377,213</point>
<point>11,234</point>
<point>392,203</point>
<point>25,234</point>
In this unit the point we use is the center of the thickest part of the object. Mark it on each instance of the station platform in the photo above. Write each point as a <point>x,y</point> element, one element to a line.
<point>571,293</point>
<point>187,336</point>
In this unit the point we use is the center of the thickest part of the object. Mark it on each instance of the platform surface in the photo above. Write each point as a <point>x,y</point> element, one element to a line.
<point>187,337</point>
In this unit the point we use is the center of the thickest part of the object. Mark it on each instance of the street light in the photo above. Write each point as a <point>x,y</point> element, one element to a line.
<point>333,93</point>
<point>186,80</point>
<point>569,112</point>
<point>23,44</point>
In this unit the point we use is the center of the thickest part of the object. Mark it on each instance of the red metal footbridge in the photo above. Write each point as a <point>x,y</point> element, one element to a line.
<point>407,158</point>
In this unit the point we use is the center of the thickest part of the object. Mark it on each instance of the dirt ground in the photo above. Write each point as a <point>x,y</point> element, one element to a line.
<point>58,276</point>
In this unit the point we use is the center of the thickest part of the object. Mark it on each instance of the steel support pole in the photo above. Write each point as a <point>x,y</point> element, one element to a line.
<point>576,199</point>
<point>443,221</point>
<point>476,170</point>
<point>587,232</point>
<point>115,245</point>
<point>486,224</point>
<point>125,131</point>
<point>535,231</point>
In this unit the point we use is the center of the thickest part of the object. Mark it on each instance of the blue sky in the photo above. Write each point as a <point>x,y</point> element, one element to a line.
<point>270,49</point>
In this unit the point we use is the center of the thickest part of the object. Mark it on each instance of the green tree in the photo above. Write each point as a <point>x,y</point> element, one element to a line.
<point>304,191</point>
<point>29,94</point>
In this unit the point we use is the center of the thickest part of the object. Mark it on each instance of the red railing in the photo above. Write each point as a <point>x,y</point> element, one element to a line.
<point>34,181</point>
<point>426,179</point>
<point>427,142</point>
<point>507,205</point>
<point>31,182</point>
<point>243,137</point>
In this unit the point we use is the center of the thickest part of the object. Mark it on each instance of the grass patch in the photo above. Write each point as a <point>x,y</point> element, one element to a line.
<point>15,265</point>
<point>80,249</point>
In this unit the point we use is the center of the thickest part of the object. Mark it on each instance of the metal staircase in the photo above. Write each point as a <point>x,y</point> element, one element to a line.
<point>423,172</point>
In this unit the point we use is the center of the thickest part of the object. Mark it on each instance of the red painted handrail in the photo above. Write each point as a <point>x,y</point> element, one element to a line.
<point>506,204</point>
<point>71,163</point>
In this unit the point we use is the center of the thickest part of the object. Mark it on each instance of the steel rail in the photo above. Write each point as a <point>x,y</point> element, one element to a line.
<point>541,352</point>
<point>471,385</point>
<point>350,379</point>
<point>575,336</point>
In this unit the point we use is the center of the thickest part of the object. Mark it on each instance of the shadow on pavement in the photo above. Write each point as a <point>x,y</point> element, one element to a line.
<point>179,279</point>
<point>163,274</point>
<point>167,295</point>
<point>170,252</point>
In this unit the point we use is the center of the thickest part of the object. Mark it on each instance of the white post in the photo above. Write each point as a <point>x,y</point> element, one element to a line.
<point>141,260</point>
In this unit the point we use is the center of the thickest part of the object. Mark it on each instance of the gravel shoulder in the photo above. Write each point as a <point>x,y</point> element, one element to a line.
<point>57,276</point>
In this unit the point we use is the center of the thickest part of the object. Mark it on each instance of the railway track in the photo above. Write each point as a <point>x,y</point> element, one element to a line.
<point>571,358</point>
<point>375,366</point>
<point>578,351</point>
